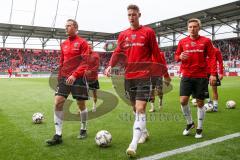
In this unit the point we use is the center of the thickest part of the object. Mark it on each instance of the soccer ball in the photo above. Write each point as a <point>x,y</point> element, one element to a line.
<point>208,107</point>
<point>194,102</point>
<point>103,138</point>
<point>231,104</point>
<point>37,118</point>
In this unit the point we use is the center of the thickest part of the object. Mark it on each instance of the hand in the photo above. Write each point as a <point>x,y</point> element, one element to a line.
<point>167,80</point>
<point>220,77</point>
<point>183,56</point>
<point>212,80</point>
<point>107,71</point>
<point>70,80</point>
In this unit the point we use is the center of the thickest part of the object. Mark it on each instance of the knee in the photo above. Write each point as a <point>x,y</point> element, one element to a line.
<point>200,103</point>
<point>59,102</point>
<point>81,105</point>
<point>183,102</point>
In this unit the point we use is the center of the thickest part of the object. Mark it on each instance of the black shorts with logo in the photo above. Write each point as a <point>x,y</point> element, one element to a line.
<point>197,87</point>
<point>93,84</point>
<point>218,82</point>
<point>138,89</point>
<point>79,89</point>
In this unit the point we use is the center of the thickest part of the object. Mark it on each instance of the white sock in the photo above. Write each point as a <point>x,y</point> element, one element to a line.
<point>138,127</point>
<point>187,113</point>
<point>84,117</point>
<point>200,116</point>
<point>215,102</point>
<point>58,120</point>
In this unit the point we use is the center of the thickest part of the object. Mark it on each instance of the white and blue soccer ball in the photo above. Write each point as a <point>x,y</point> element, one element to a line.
<point>231,104</point>
<point>37,118</point>
<point>208,107</point>
<point>103,138</point>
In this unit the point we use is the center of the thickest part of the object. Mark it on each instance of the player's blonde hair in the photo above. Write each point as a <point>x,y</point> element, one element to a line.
<point>195,20</point>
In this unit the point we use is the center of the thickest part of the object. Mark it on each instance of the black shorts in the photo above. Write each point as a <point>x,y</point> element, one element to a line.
<point>79,89</point>
<point>218,82</point>
<point>93,84</point>
<point>197,87</point>
<point>138,89</point>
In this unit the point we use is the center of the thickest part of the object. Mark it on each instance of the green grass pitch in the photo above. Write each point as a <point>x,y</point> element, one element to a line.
<point>21,139</point>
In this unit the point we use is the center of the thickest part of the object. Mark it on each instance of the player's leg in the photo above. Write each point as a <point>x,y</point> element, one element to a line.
<point>61,95</point>
<point>160,93</point>
<point>152,102</point>
<point>139,126</point>
<point>58,121</point>
<point>79,92</point>
<point>215,94</point>
<point>215,98</point>
<point>200,117</point>
<point>160,96</point>
<point>201,93</point>
<point>94,100</point>
<point>83,118</point>
<point>185,92</point>
<point>94,86</point>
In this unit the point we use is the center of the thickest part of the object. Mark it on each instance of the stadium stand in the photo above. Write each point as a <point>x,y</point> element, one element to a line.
<point>37,60</point>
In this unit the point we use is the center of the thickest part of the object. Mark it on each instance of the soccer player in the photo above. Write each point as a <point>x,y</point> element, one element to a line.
<point>219,78</point>
<point>71,79</point>
<point>9,72</point>
<point>192,51</point>
<point>92,74</point>
<point>138,44</point>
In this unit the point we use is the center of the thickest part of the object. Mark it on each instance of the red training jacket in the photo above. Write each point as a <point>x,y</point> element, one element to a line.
<point>140,48</point>
<point>74,57</point>
<point>198,50</point>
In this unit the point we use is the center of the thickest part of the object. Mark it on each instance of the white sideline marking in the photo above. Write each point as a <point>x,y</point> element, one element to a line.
<point>191,147</point>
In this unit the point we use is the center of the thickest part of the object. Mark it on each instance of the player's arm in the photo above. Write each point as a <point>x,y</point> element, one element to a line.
<point>60,62</point>
<point>220,63</point>
<point>212,61</point>
<point>179,54</point>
